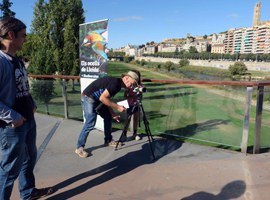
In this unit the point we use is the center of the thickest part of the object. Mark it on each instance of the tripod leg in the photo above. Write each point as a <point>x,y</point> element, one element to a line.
<point>147,129</point>
<point>150,138</point>
<point>124,130</point>
<point>148,132</point>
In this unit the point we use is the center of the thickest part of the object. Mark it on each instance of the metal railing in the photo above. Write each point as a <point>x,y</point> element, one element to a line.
<point>251,89</point>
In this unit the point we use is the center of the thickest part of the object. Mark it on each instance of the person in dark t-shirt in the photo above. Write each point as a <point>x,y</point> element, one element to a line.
<point>96,99</point>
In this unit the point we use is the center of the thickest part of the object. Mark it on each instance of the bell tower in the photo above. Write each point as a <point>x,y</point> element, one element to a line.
<point>257,15</point>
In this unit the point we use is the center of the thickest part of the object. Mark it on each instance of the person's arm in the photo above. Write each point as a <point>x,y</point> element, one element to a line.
<point>7,114</point>
<point>10,116</point>
<point>105,98</point>
<point>115,116</point>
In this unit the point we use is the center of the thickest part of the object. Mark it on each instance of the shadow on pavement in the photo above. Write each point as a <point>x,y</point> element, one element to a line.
<point>116,167</point>
<point>232,190</point>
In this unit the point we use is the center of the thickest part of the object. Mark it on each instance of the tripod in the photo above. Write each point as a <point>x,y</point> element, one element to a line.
<point>138,105</point>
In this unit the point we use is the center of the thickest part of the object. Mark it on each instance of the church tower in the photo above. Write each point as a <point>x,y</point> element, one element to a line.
<point>257,15</point>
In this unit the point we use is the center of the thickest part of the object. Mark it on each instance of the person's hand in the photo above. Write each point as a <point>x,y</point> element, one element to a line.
<point>116,118</point>
<point>17,123</point>
<point>121,108</point>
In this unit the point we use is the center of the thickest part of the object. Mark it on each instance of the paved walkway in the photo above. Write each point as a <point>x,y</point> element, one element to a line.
<point>180,171</point>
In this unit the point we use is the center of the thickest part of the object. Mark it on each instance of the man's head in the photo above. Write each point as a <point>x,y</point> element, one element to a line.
<point>12,31</point>
<point>130,78</point>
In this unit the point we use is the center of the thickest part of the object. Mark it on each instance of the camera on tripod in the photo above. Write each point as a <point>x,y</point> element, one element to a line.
<point>139,90</point>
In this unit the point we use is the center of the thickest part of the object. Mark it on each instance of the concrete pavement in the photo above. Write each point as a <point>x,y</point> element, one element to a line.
<point>181,170</point>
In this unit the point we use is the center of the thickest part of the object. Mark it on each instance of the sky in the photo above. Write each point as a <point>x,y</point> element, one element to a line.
<point>137,22</point>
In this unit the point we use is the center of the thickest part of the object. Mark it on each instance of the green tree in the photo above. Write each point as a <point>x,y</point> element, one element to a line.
<point>168,65</point>
<point>192,49</point>
<point>43,91</point>
<point>184,62</point>
<point>56,29</point>
<point>57,16</point>
<point>5,8</point>
<point>41,55</point>
<point>71,38</point>
<point>70,57</point>
<point>239,68</point>
<point>143,62</point>
<point>40,42</point>
<point>176,51</point>
<point>26,51</point>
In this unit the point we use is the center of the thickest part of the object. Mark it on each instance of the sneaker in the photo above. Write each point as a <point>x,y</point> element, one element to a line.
<point>81,152</point>
<point>43,192</point>
<point>112,143</point>
<point>138,137</point>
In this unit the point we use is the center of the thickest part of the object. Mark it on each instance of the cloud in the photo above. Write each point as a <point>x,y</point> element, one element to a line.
<point>233,15</point>
<point>122,19</point>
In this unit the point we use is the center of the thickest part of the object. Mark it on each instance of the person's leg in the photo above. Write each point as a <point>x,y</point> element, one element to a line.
<point>136,136</point>
<point>90,117</point>
<point>107,118</point>
<point>13,154</point>
<point>26,176</point>
<point>135,122</point>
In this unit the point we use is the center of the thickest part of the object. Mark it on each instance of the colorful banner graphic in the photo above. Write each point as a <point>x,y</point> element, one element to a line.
<point>93,49</point>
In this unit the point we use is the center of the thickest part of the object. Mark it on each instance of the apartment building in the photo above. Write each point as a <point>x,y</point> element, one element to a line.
<point>217,43</point>
<point>238,40</point>
<point>229,41</point>
<point>248,43</point>
<point>262,38</point>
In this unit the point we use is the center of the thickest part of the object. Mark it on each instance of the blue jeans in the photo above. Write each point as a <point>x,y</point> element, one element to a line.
<point>19,153</point>
<point>90,116</point>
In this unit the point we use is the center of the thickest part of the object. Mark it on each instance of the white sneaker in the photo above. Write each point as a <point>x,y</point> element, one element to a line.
<point>81,152</point>
<point>138,137</point>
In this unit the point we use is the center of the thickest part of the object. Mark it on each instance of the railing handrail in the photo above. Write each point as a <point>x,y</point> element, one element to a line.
<point>238,83</point>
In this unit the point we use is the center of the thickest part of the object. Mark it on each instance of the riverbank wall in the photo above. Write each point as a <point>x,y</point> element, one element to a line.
<point>253,66</point>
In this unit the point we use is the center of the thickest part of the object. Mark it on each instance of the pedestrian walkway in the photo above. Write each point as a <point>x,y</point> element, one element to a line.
<point>181,170</point>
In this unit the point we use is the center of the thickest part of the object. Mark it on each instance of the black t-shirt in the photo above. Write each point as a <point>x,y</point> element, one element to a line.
<point>97,87</point>
<point>23,103</point>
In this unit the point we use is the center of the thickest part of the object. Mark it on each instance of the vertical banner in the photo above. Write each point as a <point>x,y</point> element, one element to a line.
<point>93,54</point>
<point>93,49</point>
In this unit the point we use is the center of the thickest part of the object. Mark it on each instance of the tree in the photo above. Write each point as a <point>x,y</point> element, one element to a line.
<point>56,28</point>
<point>41,55</point>
<point>192,49</point>
<point>43,91</point>
<point>71,34</point>
<point>26,51</point>
<point>176,51</point>
<point>5,8</point>
<point>39,41</point>
<point>169,65</point>
<point>184,62</point>
<point>239,68</point>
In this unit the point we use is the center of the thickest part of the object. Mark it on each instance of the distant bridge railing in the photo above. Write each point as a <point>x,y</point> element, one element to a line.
<point>211,112</point>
